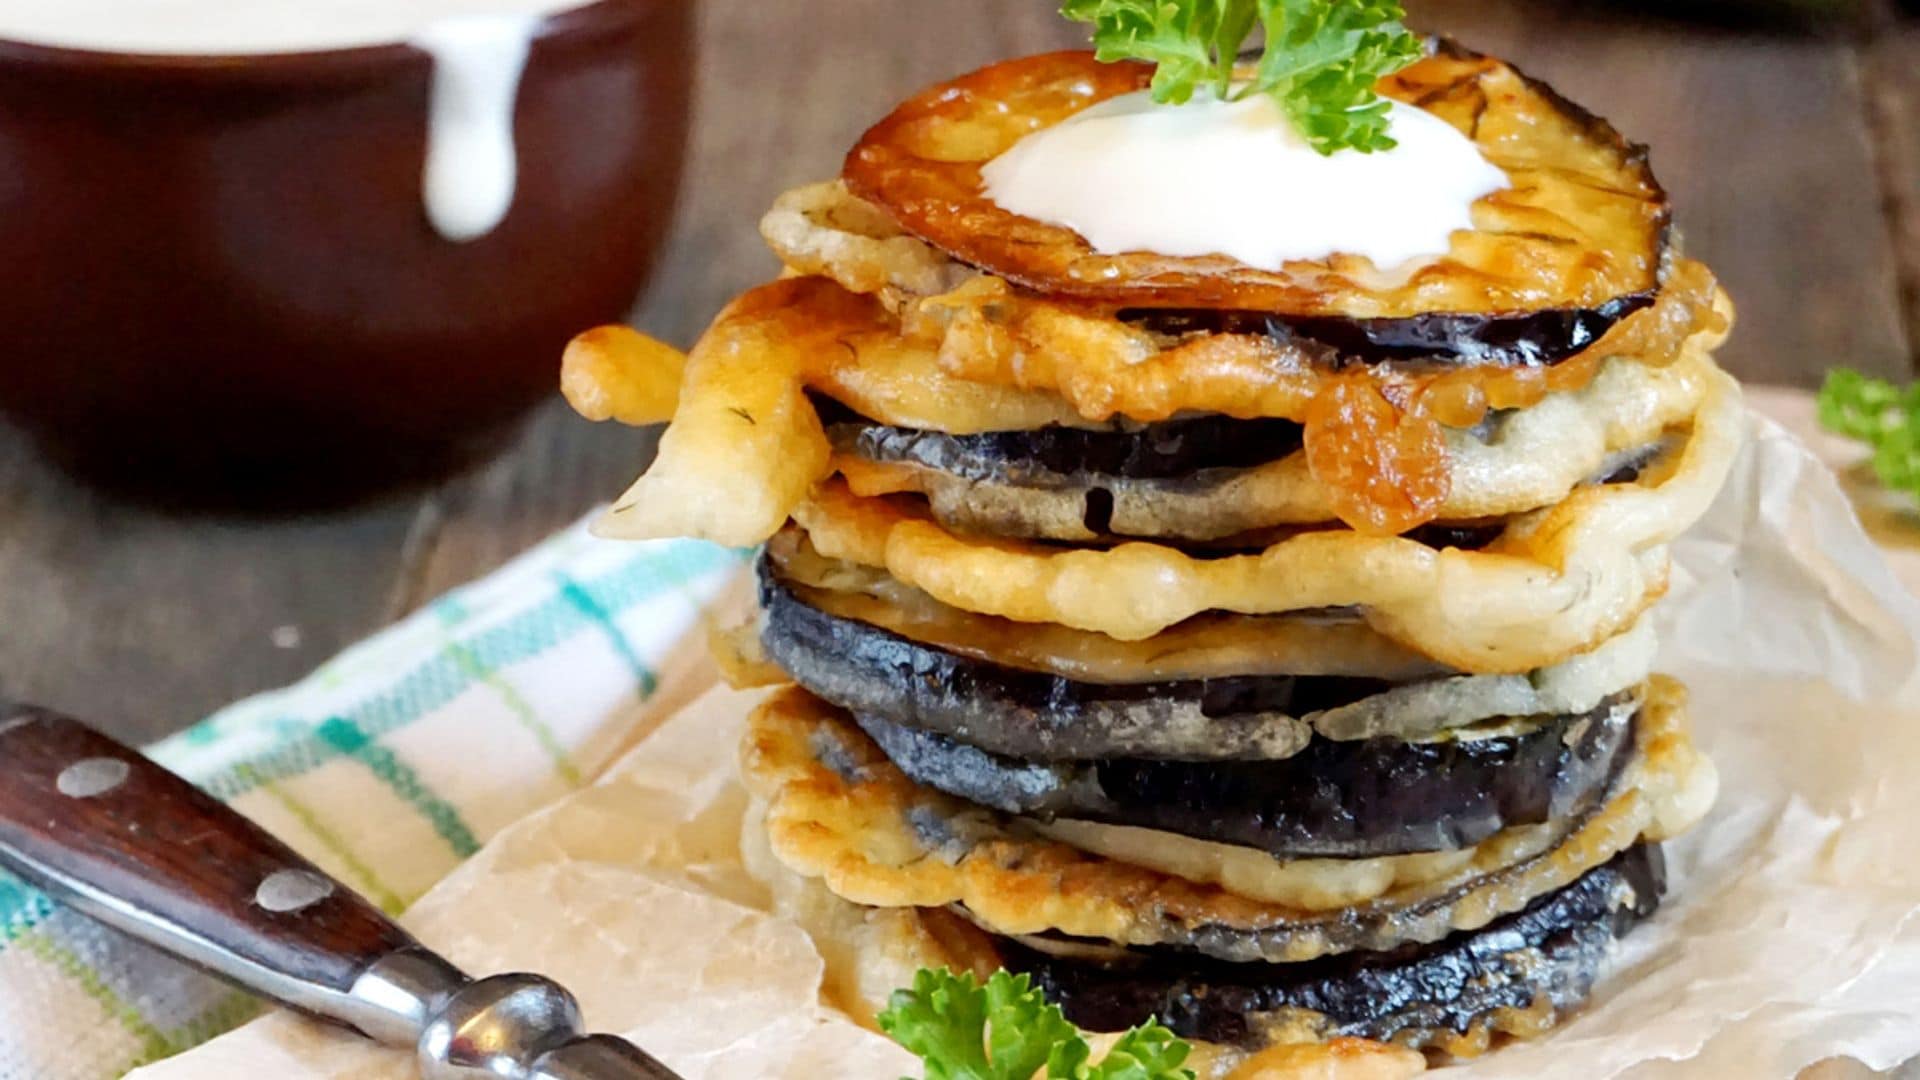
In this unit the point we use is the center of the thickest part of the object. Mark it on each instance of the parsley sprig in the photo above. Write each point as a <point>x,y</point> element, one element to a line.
<point>1007,1030</point>
<point>1320,61</point>
<point>1880,414</point>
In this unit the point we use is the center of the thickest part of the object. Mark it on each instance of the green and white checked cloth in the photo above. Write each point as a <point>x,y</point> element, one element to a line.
<point>387,767</point>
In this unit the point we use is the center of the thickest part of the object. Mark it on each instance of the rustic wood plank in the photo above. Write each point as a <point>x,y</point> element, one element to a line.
<point>1893,95</point>
<point>784,90</point>
<point>143,623</point>
<point>1763,141</point>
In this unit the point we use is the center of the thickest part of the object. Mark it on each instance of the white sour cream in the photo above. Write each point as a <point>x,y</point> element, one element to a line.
<point>479,49</point>
<point>1234,178</point>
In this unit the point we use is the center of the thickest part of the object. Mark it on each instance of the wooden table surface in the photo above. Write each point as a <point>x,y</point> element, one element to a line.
<point>1794,161</point>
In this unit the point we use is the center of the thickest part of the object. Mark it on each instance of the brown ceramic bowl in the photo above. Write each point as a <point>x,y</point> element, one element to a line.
<point>218,281</point>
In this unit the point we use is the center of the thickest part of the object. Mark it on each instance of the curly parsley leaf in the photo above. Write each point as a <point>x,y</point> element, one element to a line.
<point>1885,417</point>
<point>1320,61</point>
<point>1006,1030</point>
<point>1148,1052</point>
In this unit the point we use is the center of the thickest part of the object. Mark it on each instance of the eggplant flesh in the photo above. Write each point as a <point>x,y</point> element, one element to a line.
<point>1357,799</point>
<point>1037,716</point>
<point>1541,962</point>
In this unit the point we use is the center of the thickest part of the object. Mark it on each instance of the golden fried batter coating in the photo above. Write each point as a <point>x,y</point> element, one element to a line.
<point>745,444</point>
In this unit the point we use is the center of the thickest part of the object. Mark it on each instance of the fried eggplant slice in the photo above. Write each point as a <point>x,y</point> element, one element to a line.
<point>1357,799</point>
<point>1211,477</point>
<point>1519,974</point>
<point>1040,716</point>
<point>868,953</point>
<point>1576,242</point>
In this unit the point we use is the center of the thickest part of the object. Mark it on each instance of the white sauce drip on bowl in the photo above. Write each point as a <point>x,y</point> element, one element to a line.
<point>472,163</point>
<point>1234,178</point>
<point>479,50</point>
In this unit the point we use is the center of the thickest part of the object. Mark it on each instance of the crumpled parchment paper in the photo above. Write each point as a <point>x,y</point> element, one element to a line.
<point>1790,935</point>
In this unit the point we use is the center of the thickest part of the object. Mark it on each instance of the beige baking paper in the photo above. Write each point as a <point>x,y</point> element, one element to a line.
<point>1790,935</point>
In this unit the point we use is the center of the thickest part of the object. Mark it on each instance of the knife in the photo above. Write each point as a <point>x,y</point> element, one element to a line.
<point>130,844</point>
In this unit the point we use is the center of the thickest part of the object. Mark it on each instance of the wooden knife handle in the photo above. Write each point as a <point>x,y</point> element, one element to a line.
<point>136,847</point>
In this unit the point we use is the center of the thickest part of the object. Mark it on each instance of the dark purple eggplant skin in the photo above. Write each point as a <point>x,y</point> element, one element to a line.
<point>1056,456</point>
<point>1030,715</point>
<point>1333,799</point>
<point>1531,339</point>
<point>1413,994</point>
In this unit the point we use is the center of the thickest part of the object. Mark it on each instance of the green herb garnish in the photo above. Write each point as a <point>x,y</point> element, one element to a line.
<point>1321,60</point>
<point>1007,1030</point>
<point>1881,415</point>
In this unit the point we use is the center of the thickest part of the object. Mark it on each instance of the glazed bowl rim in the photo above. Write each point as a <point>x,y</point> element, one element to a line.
<point>584,20</point>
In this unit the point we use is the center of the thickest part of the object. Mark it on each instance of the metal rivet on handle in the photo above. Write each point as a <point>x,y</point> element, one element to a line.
<point>93,776</point>
<point>290,890</point>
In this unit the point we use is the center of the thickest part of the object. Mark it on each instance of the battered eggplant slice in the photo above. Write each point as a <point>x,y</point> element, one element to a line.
<point>1215,507</point>
<point>1325,642</point>
<point>964,684</point>
<point>1383,796</point>
<point>1578,240</point>
<point>838,810</point>
<point>1518,975</point>
<point>1211,478</point>
<point>868,953</point>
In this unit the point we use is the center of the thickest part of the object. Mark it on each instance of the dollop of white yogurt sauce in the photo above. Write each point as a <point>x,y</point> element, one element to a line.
<point>479,50</point>
<point>1235,178</point>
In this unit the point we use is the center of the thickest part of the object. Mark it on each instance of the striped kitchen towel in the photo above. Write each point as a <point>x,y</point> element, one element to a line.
<point>387,767</point>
